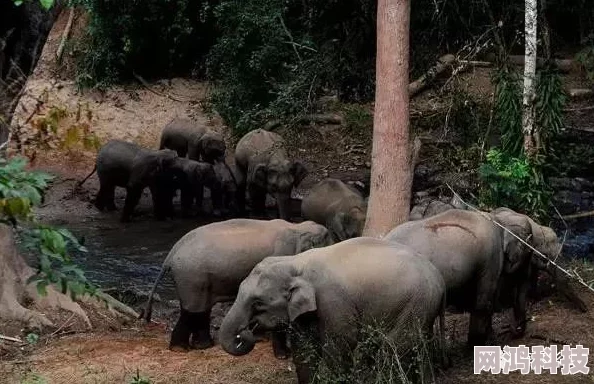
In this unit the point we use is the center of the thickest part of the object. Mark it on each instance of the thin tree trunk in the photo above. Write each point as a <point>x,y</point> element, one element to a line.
<point>528,118</point>
<point>391,176</point>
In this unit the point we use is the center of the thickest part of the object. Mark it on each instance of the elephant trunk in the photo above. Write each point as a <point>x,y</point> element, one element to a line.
<point>234,336</point>
<point>283,200</point>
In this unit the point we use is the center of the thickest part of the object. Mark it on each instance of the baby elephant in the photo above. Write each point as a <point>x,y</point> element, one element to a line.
<point>209,263</point>
<point>188,137</point>
<point>123,164</point>
<point>339,207</point>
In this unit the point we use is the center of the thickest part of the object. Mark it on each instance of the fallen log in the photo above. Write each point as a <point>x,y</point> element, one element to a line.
<point>65,34</point>
<point>578,215</point>
<point>422,82</point>
<point>564,65</point>
<point>579,93</point>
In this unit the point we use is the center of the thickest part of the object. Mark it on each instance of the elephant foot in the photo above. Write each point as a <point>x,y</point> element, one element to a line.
<point>203,344</point>
<point>179,348</point>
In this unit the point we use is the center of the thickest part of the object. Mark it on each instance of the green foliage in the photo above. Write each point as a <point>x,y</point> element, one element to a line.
<point>34,378</point>
<point>585,57</point>
<point>151,37</point>
<point>550,101</point>
<point>45,4</point>
<point>358,118</point>
<point>515,183</point>
<point>20,191</point>
<point>508,109</point>
<point>137,379</point>
<point>32,338</point>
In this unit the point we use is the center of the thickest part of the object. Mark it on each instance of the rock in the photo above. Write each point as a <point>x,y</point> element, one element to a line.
<point>567,202</point>
<point>560,183</point>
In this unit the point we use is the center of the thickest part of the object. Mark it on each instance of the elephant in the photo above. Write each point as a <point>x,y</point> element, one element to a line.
<point>517,278</point>
<point>472,254</point>
<point>332,292</point>
<point>188,137</point>
<point>341,208</point>
<point>264,167</point>
<point>209,263</point>
<point>123,164</point>
<point>193,176</point>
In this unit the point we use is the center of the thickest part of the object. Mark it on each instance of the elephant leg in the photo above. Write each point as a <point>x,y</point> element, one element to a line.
<point>105,197</point>
<point>240,199</point>
<point>187,199</point>
<point>258,202</point>
<point>180,337</point>
<point>200,329</point>
<point>160,204</point>
<point>132,199</point>
<point>199,197</point>
<point>520,308</point>
<point>279,345</point>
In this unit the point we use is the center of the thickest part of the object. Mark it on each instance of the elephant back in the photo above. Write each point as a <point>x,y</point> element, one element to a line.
<point>259,145</point>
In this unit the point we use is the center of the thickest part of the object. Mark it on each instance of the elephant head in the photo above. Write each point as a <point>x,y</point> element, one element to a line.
<point>212,147</point>
<point>149,165</point>
<point>347,225</point>
<point>228,185</point>
<point>278,177</point>
<point>272,296</point>
<point>540,237</point>
<point>301,237</point>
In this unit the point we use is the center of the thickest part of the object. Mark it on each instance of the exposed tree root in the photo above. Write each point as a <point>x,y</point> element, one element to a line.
<point>20,301</point>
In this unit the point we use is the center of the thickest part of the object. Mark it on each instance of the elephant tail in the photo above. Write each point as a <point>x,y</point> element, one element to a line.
<point>148,309</point>
<point>80,183</point>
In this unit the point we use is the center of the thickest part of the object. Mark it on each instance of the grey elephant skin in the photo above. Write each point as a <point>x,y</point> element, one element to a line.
<point>472,254</point>
<point>341,208</point>
<point>199,142</point>
<point>193,176</point>
<point>265,167</point>
<point>518,277</point>
<point>209,263</point>
<point>331,292</point>
<point>127,165</point>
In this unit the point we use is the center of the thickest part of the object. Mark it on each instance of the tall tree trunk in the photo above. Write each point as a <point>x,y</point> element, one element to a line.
<point>391,176</point>
<point>528,117</point>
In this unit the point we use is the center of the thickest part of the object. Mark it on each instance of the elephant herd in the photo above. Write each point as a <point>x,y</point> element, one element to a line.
<point>319,276</point>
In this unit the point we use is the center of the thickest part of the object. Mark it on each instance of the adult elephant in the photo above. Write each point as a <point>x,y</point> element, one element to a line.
<point>339,207</point>
<point>193,176</point>
<point>199,142</point>
<point>209,263</point>
<point>265,167</point>
<point>472,253</point>
<point>333,292</point>
<point>123,164</point>
<point>517,278</point>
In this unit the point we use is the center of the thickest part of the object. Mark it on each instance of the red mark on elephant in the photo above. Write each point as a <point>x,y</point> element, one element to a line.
<point>435,226</point>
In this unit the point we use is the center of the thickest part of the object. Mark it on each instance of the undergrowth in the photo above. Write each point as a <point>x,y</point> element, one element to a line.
<point>375,357</point>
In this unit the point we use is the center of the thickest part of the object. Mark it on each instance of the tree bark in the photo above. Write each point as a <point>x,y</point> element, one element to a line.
<point>391,176</point>
<point>15,292</point>
<point>528,104</point>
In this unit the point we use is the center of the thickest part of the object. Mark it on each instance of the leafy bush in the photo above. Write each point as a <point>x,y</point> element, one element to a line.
<point>20,191</point>
<point>515,183</point>
<point>152,38</point>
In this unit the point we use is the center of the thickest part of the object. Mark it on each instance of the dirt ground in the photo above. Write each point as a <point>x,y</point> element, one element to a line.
<point>115,352</point>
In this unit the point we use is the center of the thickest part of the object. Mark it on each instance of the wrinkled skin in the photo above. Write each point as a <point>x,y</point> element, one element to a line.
<point>264,167</point>
<point>471,253</point>
<point>126,165</point>
<point>331,292</point>
<point>199,142</point>
<point>517,276</point>
<point>339,207</point>
<point>191,178</point>
<point>209,263</point>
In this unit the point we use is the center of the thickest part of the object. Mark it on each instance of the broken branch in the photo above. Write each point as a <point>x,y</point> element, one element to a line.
<point>65,34</point>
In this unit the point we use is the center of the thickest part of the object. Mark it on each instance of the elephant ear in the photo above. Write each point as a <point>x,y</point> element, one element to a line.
<point>258,176</point>
<point>515,252</point>
<point>302,298</point>
<point>299,172</point>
